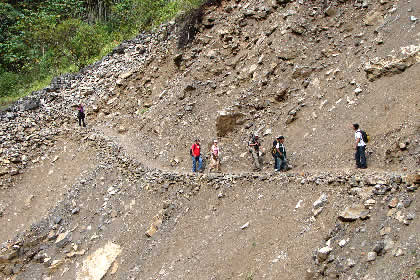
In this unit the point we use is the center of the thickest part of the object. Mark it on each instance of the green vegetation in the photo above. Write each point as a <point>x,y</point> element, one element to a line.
<point>418,273</point>
<point>250,276</point>
<point>42,39</point>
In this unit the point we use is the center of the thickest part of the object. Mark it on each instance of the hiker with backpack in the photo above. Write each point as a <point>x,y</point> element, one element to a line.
<point>81,115</point>
<point>195,153</point>
<point>361,138</point>
<point>254,149</point>
<point>279,154</point>
<point>214,157</point>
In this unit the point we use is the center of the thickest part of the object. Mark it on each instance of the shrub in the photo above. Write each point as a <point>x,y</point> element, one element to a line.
<point>8,83</point>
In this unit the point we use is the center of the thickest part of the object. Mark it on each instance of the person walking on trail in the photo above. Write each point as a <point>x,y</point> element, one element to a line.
<point>195,152</point>
<point>81,115</point>
<point>254,149</point>
<point>360,147</point>
<point>276,153</point>
<point>281,164</point>
<point>214,157</point>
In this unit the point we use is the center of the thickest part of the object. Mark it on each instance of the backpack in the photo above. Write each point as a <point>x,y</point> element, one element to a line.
<point>273,151</point>
<point>365,136</point>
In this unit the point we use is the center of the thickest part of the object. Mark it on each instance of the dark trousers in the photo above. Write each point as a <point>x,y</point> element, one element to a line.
<point>82,120</point>
<point>360,157</point>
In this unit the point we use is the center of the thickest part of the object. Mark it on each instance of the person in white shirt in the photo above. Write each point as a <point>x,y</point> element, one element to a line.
<point>214,157</point>
<point>360,147</point>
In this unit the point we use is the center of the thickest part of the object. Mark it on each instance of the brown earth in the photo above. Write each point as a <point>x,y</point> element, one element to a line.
<point>132,161</point>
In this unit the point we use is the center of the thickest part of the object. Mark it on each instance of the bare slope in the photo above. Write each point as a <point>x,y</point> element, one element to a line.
<point>294,69</point>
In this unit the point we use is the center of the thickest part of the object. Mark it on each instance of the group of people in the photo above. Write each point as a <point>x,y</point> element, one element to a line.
<point>195,153</point>
<point>278,152</point>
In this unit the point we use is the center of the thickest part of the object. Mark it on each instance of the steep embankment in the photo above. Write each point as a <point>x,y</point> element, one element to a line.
<point>283,67</point>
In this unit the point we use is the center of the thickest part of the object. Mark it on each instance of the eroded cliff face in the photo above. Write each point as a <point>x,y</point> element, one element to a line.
<point>115,200</point>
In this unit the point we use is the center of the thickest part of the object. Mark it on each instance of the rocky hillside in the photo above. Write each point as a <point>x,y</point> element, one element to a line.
<point>116,200</point>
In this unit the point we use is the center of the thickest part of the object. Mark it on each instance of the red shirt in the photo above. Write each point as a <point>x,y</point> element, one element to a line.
<point>195,150</point>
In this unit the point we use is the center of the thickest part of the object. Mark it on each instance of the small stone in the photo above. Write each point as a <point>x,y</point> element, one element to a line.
<point>52,235</point>
<point>267,132</point>
<point>353,213</point>
<point>385,231</point>
<point>388,245</point>
<point>57,220</point>
<point>371,256</point>
<point>151,231</point>
<point>410,216</point>
<point>357,91</point>
<point>378,248</point>
<point>330,11</point>
<point>351,263</point>
<point>342,243</point>
<point>398,252</point>
<point>323,253</point>
<point>393,203</point>
<point>122,129</point>
<point>246,225</point>
<point>406,202</point>
<point>321,201</point>
<point>370,202</point>
<point>55,264</point>
<point>63,239</point>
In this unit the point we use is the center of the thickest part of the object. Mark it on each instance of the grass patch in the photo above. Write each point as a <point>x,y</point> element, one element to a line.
<point>250,276</point>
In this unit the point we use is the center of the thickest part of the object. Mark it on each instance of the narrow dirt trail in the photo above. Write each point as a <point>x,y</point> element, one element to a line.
<point>129,142</point>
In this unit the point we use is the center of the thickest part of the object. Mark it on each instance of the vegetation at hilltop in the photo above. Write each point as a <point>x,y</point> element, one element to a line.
<point>43,38</point>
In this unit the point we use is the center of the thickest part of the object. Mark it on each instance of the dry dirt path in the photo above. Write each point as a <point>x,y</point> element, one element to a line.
<point>42,186</point>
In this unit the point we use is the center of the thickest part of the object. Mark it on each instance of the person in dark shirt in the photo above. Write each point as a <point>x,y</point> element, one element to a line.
<point>81,115</point>
<point>276,154</point>
<point>282,165</point>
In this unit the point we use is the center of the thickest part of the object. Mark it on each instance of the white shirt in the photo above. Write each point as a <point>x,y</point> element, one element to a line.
<point>215,150</point>
<point>358,135</point>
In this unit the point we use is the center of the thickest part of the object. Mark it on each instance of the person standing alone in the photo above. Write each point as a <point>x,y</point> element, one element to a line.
<point>81,115</point>
<point>195,152</point>
<point>360,154</point>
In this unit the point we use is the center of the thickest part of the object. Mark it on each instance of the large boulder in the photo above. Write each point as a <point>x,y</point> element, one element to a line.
<point>227,121</point>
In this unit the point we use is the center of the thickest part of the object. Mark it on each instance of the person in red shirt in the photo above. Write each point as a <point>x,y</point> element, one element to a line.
<point>196,156</point>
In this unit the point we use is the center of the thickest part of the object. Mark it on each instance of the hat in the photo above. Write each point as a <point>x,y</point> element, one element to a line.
<point>215,141</point>
<point>255,134</point>
<point>280,137</point>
